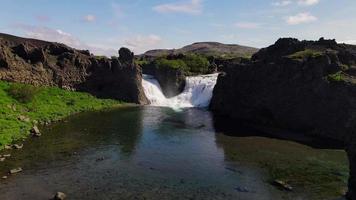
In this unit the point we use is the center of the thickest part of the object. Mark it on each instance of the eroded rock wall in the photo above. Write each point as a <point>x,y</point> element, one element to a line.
<point>52,64</point>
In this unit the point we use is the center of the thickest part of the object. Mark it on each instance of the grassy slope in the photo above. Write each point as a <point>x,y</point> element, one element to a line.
<point>49,104</point>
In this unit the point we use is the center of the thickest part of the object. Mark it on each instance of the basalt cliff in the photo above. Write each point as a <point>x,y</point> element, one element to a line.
<point>43,63</point>
<point>304,86</point>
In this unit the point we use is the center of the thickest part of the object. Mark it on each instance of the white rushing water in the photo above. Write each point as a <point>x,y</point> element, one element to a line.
<point>197,93</point>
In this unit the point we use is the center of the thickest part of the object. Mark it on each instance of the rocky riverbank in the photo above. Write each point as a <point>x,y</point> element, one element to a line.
<point>306,86</point>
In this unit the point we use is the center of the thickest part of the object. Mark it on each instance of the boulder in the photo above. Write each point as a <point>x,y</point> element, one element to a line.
<point>16,170</point>
<point>35,131</point>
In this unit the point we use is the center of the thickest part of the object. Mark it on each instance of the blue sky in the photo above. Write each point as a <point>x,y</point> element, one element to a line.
<point>103,26</point>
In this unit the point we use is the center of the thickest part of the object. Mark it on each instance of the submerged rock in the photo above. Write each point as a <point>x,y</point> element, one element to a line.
<point>283,185</point>
<point>59,196</point>
<point>18,146</point>
<point>16,170</point>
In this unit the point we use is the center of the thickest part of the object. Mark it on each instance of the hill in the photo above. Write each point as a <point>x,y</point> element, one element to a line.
<point>207,49</point>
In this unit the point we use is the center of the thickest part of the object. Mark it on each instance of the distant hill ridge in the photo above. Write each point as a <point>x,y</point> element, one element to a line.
<point>208,49</point>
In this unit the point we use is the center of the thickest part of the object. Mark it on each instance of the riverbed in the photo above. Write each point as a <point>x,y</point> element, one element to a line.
<point>159,153</point>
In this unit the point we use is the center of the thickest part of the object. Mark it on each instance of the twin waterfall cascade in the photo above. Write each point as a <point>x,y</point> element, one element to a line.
<point>197,93</point>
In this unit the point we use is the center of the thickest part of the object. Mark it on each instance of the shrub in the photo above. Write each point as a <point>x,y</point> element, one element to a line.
<point>307,53</point>
<point>163,63</point>
<point>337,77</point>
<point>197,63</point>
<point>22,93</point>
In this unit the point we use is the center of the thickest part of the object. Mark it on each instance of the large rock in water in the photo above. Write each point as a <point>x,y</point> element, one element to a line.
<point>300,85</point>
<point>52,64</point>
<point>172,81</point>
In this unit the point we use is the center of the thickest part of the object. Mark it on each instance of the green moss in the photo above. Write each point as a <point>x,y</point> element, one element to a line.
<point>319,177</point>
<point>337,77</point>
<point>307,53</point>
<point>39,105</point>
<point>319,174</point>
<point>142,62</point>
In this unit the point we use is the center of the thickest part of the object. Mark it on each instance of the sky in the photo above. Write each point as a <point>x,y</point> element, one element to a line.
<point>103,26</point>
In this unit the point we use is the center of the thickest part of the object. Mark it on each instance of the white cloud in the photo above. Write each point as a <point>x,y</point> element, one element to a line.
<point>301,18</point>
<point>60,36</point>
<point>191,7</point>
<point>282,3</point>
<point>247,25</point>
<point>348,42</point>
<point>140,44</point>
<point>308,2</point>
<point>89,18</point>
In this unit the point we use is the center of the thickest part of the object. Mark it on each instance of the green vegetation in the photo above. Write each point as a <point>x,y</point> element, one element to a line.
<point>190,64</point>
<point>337,77</point>
<point>320,177</point>
<point>142,62</point>
<point>307,53</point>
<point>163,63</point>
<point>22,93</point>
<point>22,106</point>
<point>197,64</point>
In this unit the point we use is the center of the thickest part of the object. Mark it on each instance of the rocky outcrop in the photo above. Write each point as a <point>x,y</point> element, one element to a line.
<point>297,85</point>
<point>52,64</point>
<point>172,81</point>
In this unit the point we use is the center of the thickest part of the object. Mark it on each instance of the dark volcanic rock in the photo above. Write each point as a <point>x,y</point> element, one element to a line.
<point>52,64</point>
<point>304,86</point>
<point>172,81</point>
<point>3,61</point>
<point>125,55</point>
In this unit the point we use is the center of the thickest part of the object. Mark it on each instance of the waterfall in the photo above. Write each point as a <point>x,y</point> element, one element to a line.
<point>198,92</point>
